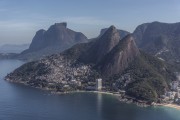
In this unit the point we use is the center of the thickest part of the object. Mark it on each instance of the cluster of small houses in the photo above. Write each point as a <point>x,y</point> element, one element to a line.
<point>91,87</point>
<point>77,73</point>
<point>173,96</point>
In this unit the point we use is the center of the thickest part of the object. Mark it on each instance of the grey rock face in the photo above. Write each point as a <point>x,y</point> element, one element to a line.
<point>106,42</point>
<point>159,39</point>
<point>122,33</point>
<point>56,39</point>
<point>101,46</point>
<point>119,57</point>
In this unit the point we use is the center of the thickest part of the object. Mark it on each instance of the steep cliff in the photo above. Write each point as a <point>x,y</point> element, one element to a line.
<point>122,33</point>
<point>119,58</point>
<point>160,39</point>
<point>56,39</point>
<point>101,46</point>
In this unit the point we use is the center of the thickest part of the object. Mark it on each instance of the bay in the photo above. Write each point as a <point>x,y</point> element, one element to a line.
<point>19,102</point>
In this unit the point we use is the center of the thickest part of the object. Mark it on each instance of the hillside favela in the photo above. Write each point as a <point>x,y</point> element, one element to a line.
<point>89,60</point>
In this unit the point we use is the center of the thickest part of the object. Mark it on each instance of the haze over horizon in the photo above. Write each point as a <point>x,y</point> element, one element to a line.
<point>20,19</point>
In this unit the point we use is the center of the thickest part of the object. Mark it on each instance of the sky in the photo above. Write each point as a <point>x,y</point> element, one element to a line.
<point>20,19</point>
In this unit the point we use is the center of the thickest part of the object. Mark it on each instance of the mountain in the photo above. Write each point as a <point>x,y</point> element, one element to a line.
<point>159,39</point>
<point>122,33</point>
<point>101,46</point>
<point>56,39</point>
<point>12,48</point>
<point>119,62</point>
<point>119,57</point>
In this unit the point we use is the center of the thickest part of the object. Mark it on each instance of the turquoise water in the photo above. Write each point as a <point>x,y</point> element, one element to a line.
<point>19,102</point>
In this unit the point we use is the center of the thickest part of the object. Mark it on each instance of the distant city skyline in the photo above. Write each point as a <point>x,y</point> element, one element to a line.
<point>20,19</point>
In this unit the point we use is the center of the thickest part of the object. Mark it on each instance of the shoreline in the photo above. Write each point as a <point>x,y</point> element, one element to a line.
<point>125,99</point>
<point>84,91</point>
<point>171,105</point>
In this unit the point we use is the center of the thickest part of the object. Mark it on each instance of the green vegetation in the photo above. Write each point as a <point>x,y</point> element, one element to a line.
<point>150,78</point>
<point>32,69</point>
<point>75,52</point>
<point>142,90</point>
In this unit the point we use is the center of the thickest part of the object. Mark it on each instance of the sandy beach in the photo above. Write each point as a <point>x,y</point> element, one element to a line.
<point>172,106</point>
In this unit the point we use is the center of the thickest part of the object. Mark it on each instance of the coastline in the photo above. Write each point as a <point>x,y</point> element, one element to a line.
<point>84,91</point>
<point>125,99</point>
<point>171,105</point>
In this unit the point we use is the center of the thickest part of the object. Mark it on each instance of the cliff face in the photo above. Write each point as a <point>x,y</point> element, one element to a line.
<point>101,46</point>
<point>106,42</point>
<point>37,42</point>
<point>56,39</point>
<point>159,39</point>
<point>122,33</point>
<point>119,57</point>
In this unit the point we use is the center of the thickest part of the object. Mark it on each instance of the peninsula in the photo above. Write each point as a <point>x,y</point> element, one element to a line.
<point>116,62</point>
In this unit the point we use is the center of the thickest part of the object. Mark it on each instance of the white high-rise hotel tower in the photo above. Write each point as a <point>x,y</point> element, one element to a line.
<point>98,84</point>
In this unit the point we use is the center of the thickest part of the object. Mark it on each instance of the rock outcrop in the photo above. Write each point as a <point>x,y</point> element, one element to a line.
<point>122,33</point>
<point>56,39</point>
<point>120,57</point>
<point>101,46</point>
<point>159,39</point>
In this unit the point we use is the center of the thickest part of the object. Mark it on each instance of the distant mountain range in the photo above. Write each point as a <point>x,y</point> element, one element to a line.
<point>158,39</point>
<point>56,39</point>
<point>116,60</point>
<point>12,48</point>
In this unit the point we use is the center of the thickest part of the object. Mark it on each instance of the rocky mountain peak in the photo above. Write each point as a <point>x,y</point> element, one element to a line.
<point>122,33</point>
<point>41,31</point>
<point>119,57</point>
<point>58,27</point>
<point>56,39</point>
<point>106,42</point>
<point>112,27</point>
<point>101,46</point>
<point>63,24</point>
<point>111,37</point>
<point>111,31</point>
